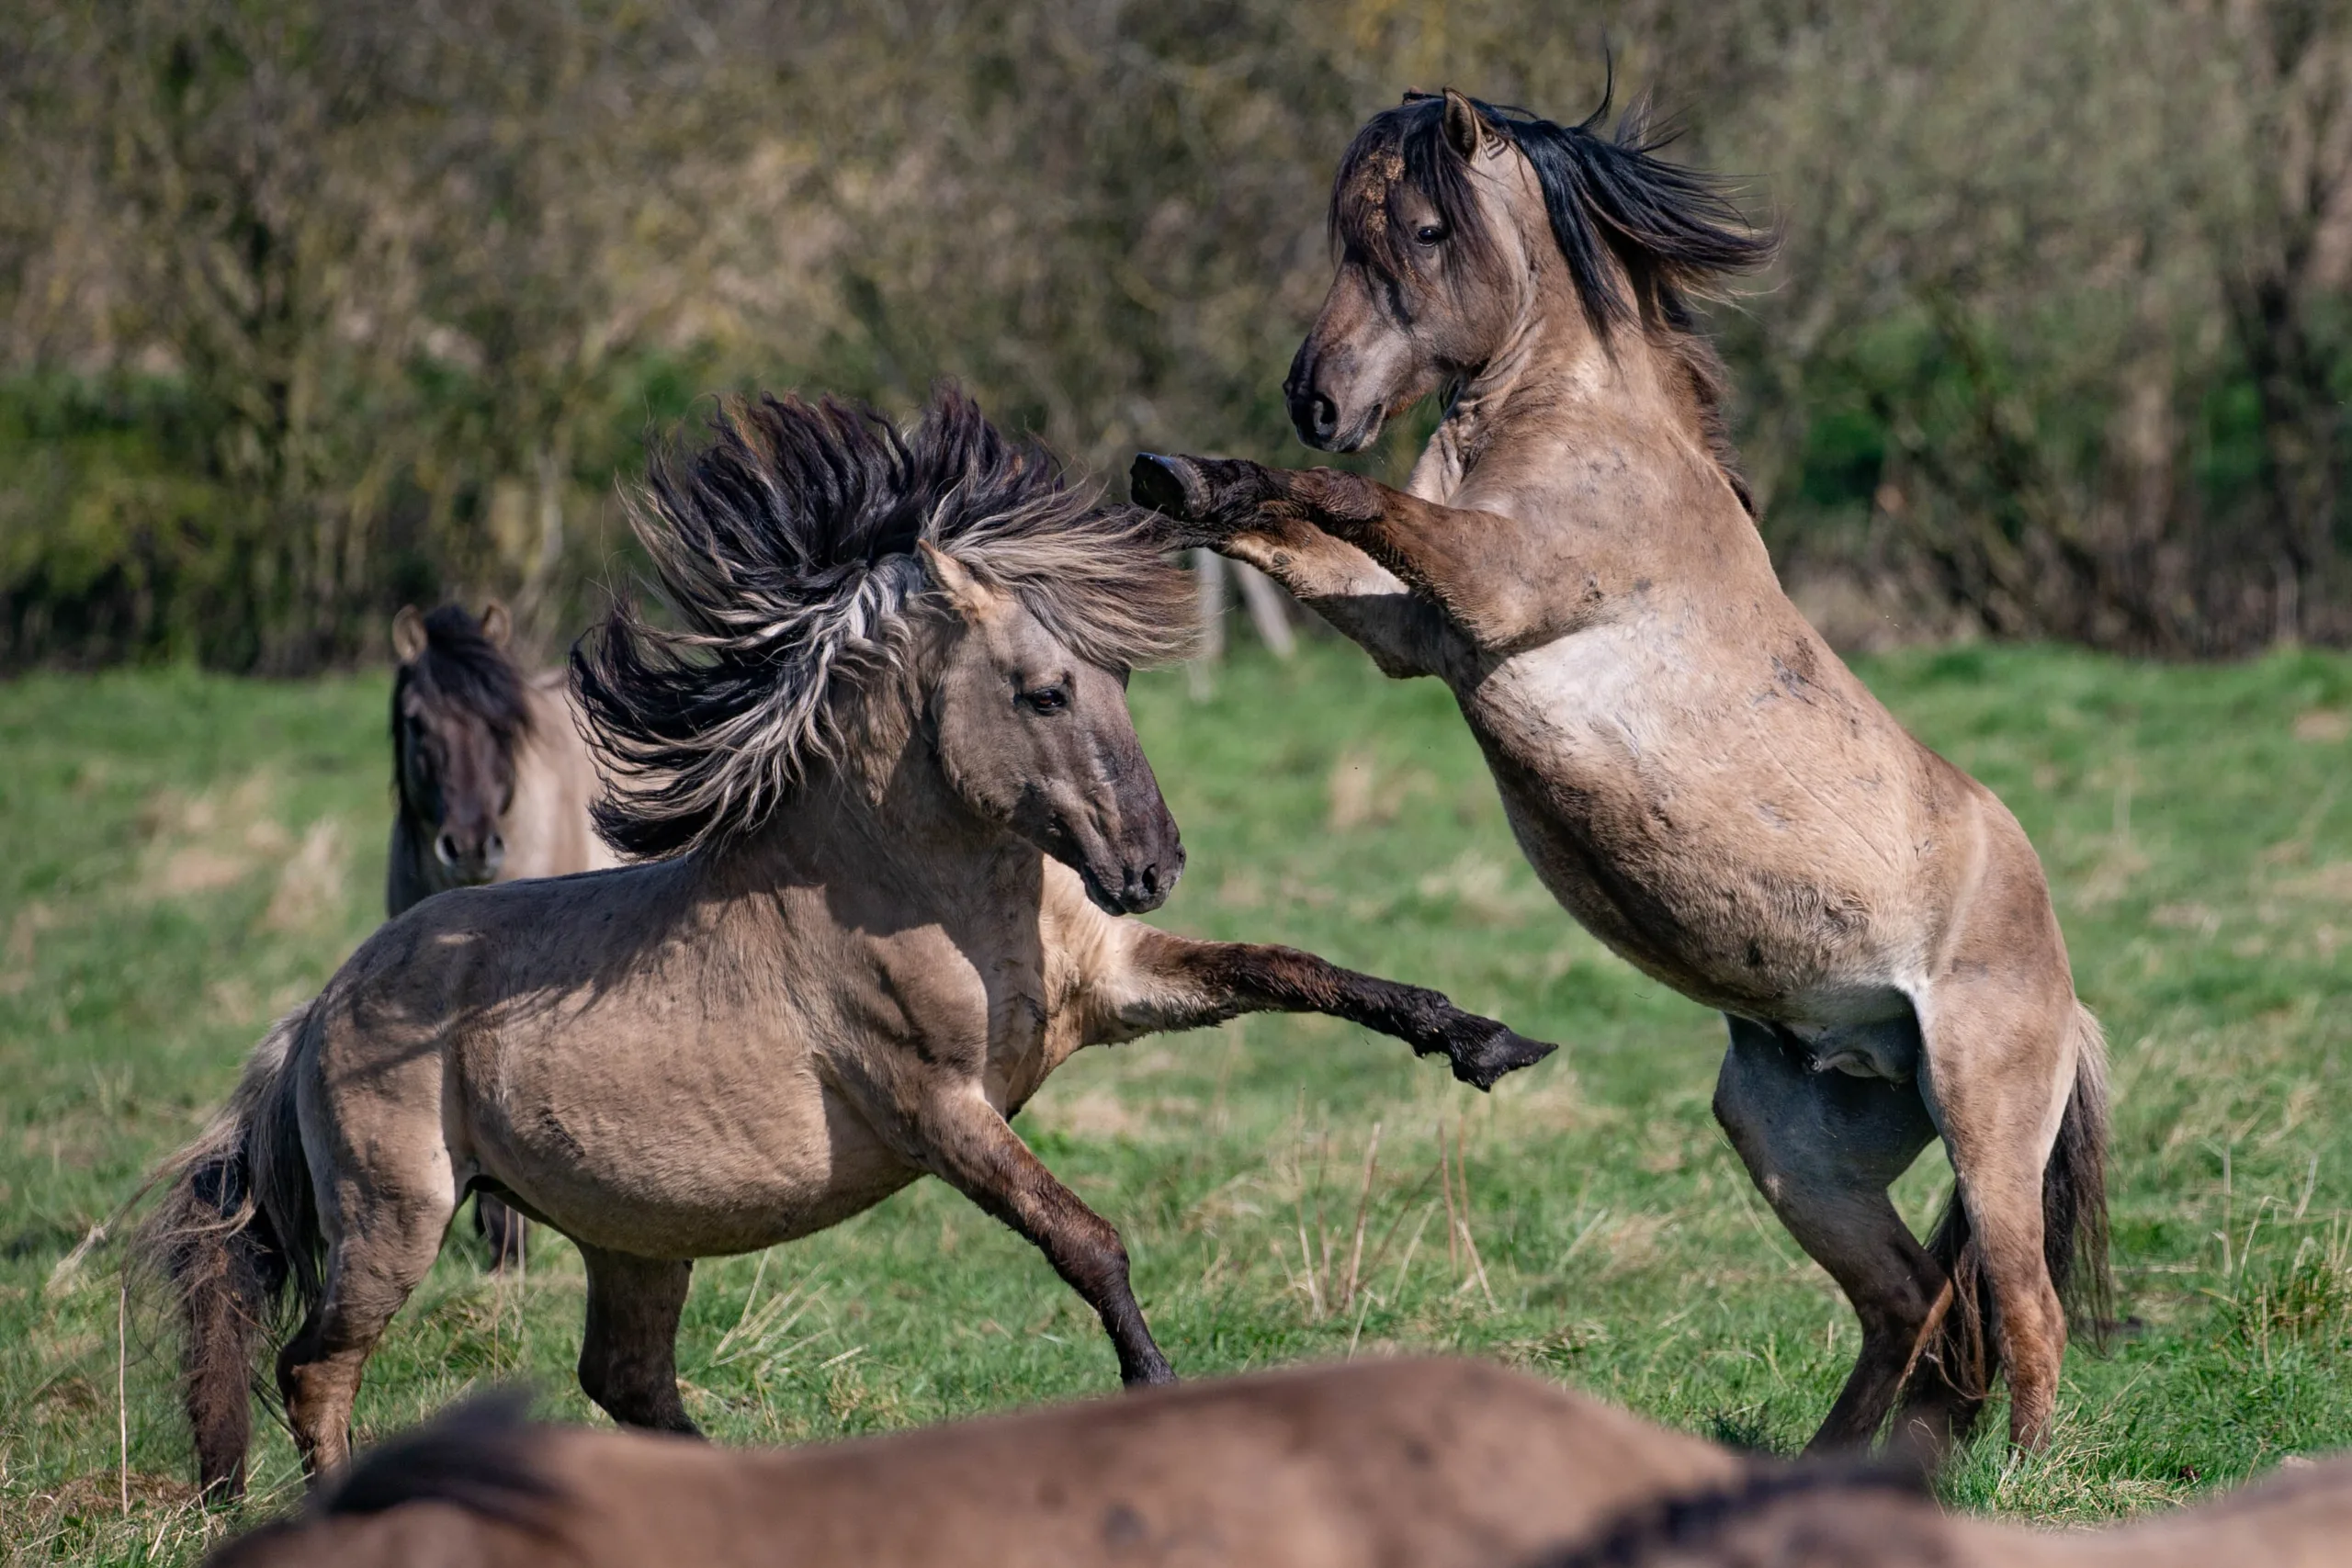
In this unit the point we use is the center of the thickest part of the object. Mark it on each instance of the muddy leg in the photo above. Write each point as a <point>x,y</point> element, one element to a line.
<point>1824,1148</point>
<point>502,1229</point>
<point>1173,982</point>
<point>387,1240</point>
<point>963,1139</point>
<point>1998,1072</point>
<point>629,1355</point>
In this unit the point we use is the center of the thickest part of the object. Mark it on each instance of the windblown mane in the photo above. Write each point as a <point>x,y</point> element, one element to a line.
<point>1670,229</point>
<point>462,669</point>
<point>785,551</point>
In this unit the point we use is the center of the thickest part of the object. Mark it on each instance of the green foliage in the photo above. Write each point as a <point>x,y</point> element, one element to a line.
<point>2040,358</point>
<point>193,854</point>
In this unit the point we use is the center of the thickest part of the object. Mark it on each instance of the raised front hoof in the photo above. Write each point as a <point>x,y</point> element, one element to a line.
<point>1171,486</point>
<point>1207,499</point>
<point>1483,1050</point>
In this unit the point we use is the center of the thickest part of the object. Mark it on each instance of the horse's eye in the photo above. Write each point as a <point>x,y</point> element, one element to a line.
<point>1428,233</point>
<point>1046,699</point>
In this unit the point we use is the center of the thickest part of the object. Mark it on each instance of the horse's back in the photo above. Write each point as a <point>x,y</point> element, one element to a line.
<point>1429,1462</point>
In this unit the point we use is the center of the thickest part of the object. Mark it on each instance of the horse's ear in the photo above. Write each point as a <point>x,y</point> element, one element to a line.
<point>408,634</point>
<point>1466,127</point>
<point>496,623</point>
<point>971,598</point>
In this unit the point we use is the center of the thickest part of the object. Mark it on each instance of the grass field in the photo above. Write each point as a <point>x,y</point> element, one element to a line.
<point>184,856</point>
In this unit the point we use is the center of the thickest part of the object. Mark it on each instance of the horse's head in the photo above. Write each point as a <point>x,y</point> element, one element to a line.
<point>1033,736</point>
<point>457,711</point>
<point>1468,232</point>
<point>1433,270</point>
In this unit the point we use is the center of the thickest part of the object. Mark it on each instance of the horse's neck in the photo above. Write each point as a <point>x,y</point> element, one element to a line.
<point>1559,429</point>
<point>546,825</point>
<point>906,833</point>
<point>408,869</point>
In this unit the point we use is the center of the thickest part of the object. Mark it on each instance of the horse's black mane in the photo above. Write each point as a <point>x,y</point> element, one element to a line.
<point>464,669</point>
<point>786,548</point>
<point>1641,1533</point>
<point>476,1456</point>
<point>1668,228</point>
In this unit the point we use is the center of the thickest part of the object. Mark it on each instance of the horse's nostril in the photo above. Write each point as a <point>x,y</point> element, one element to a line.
<point>1151,880</point>
<point>494,848</point>
<point>1326,415</point>
<point>445,847</point>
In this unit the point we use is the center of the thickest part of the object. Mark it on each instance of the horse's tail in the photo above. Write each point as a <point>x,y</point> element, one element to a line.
<point>238,1224</point>
<point>1960,1348</point>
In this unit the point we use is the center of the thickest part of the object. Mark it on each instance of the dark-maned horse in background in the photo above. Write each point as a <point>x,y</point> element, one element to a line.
<point>492,782</point>
<point>886,751</point>
<point>1689,769</point>
<point>1432,1463</point>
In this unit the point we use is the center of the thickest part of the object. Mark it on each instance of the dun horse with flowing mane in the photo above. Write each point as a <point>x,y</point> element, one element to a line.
<point>888,749</point>
<point>1690,770</point>
<point>492,782</point>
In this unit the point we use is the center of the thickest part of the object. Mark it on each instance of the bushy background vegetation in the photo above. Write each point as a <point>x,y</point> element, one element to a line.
<point>309,308</point>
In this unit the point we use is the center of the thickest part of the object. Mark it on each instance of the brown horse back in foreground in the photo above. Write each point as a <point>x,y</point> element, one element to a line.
<point>1425,1464</point>
<point>492,782</point>
<point>1435,1464</point>
<point>1692,772</point>
<point>1830,1517</point>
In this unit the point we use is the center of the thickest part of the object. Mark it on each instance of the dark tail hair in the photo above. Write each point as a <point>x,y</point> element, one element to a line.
<point>238,1224</point>
<point>1962,1353</point>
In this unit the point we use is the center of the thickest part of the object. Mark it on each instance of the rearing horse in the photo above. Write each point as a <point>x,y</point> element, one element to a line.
<point>1689,769</point>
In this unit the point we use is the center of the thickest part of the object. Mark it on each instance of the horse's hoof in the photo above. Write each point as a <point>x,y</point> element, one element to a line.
<point>1158,1375</point>
<point>1171,485</point>
<point>1490,1050</point>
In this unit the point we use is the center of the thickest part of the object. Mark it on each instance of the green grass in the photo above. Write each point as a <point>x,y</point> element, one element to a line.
<point>187,855</point>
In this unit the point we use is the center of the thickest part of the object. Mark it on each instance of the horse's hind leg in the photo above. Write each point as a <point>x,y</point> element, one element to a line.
<point>629,1357</point>
<point>1824,1148</point>
<point>383,1226</point>
<point>1999,1065</point>
<point>502,1229</point>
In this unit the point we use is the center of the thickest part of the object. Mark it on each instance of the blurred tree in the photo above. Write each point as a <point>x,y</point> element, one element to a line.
<point>311,307</point>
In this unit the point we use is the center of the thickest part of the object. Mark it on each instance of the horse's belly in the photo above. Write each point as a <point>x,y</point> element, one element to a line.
<point>1672,836</point>
<point>689,1167</point>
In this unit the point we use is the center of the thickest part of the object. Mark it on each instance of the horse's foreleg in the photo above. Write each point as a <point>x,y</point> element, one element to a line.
<point>1172,982</point>
<point>628,1356</point>
<point>1495,588</point>
<point>963,1140</point>
<point>1824,1148</point>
